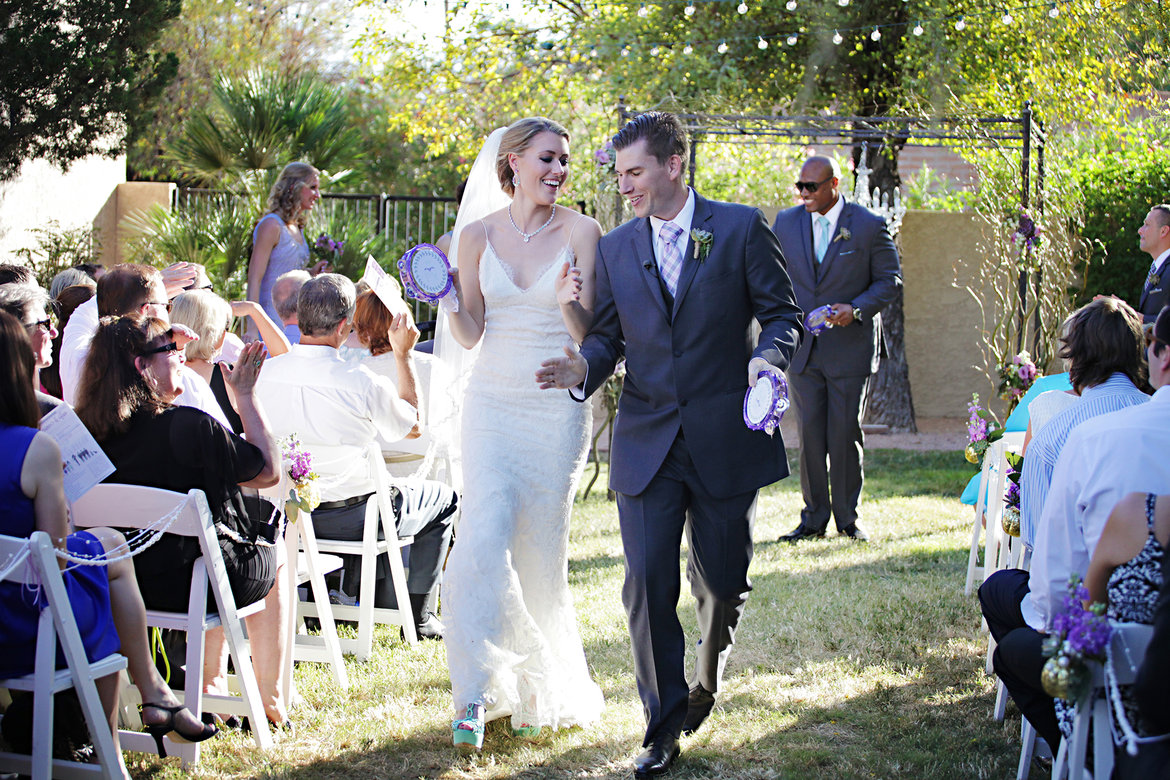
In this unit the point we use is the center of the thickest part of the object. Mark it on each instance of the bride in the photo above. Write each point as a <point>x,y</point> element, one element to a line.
<point>524,286</point>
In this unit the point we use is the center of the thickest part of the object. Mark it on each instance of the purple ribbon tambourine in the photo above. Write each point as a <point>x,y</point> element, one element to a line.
<point>818,319</point>
<point>426,273</point>
<point>765,404</point>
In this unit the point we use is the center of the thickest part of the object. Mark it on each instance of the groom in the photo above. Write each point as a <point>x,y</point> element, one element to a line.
<point>677,290</point>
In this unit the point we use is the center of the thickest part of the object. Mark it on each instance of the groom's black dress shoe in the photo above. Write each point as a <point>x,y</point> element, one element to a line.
<point>700,701</point>
<point>656,759</point>
<point>855,533</point>
<point>802,532</point>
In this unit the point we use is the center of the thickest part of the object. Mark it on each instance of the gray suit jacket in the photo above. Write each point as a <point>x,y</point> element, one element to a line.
<point>686,365</point>
<point>862,269</point>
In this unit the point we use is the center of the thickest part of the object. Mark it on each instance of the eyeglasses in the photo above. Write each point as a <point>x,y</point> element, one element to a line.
<point>165,304</point>
<point>46,325</point>
<point>811,186</point>
<point>170,346</point>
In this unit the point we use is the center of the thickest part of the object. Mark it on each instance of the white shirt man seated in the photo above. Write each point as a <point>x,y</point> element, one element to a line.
<point>285,291</point>
<point>337,409</point>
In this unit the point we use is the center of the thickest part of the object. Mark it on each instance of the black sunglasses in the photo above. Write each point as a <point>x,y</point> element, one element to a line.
<point>811,186</point>
<point>170,346</point>
<point>46,323</point>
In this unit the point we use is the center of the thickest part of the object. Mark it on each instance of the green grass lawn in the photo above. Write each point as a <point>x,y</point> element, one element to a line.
<point>852,661</point>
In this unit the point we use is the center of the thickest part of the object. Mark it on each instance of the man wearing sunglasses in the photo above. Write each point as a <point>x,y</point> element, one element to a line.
<point>839,255</point>
<point>1154,240</point>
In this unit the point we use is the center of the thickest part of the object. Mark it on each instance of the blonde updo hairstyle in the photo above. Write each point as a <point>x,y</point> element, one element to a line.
<point>208,315</point>
<point>284,199</point>
<point>516,140</point>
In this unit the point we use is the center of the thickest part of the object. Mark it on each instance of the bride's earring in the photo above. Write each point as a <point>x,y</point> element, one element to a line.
<point>515,180</point>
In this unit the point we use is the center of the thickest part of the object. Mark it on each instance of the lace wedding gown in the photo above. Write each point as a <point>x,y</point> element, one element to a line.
<point>511,630</point>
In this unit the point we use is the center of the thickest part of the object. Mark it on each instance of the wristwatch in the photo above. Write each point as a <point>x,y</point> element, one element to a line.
<point>856,313</point>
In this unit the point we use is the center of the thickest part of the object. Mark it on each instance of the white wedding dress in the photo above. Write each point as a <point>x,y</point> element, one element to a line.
<point>511,630</point>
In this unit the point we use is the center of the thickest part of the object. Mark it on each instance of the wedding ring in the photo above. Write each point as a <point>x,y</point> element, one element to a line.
<point>257,362</point>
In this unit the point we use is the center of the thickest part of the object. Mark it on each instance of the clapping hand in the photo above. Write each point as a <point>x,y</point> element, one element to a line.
<point>568,285</point>
<point>242,376</point>
<point>183,335</point>
<point>177,277</point>
<point>562,373</point>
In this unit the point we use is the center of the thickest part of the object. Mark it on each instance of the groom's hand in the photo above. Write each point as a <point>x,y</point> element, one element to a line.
<point>758,365</point>
<point>562,373</point>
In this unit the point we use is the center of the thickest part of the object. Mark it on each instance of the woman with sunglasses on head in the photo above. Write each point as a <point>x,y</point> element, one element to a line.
<point>105,599</point>
<point>131,379</point>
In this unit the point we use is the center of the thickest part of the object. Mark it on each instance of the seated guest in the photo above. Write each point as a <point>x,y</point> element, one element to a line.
<point>29,305</point>
<point>208,316</point>
<point>372,322</point>
<point>65,302</point>
<point>1151,692</point>
<point>1103,348</point>
<point>32,498</point>
<point>337,409</point>
<point>1103,459</point>
<point>132,377</point>
<point>125,289</point>
<point>285,290</point>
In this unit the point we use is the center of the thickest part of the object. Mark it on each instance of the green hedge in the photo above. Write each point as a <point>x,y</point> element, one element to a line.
<point>1119,189</point>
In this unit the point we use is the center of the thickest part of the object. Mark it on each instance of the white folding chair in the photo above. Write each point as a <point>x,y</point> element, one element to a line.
<point>989,510</point>
<point>133,506</point>
<point>1127,649</point>
<point>32,562</point>
<point>379,509</point>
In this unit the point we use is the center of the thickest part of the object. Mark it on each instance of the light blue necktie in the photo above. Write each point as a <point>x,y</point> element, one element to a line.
<point>670,264</point>
<point>823,243</point>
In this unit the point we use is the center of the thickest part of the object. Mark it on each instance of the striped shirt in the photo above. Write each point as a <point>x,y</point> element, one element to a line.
<point>1115,393</point>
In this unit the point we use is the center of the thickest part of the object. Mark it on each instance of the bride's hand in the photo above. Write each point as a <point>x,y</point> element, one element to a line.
<point>568,285</point>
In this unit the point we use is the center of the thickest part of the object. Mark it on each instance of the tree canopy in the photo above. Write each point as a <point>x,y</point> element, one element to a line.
<point>74,70</point>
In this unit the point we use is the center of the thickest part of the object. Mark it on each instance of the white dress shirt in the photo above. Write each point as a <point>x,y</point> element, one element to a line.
<point>75,347</point>
<point>336,408</point>
<point>833,215</point>
<point>1103,460</point>
<point>683,219</point>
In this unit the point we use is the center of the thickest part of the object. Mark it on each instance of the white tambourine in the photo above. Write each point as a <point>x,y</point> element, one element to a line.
<point>426,273</point>
<point>765,404</point>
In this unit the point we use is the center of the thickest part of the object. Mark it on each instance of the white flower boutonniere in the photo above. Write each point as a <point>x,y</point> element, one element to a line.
<point>703,240</point>
<point>844,234</point>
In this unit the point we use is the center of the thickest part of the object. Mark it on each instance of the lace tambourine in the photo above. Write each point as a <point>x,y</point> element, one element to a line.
<point>765,404</point>
<point>426,273</point>
<point>818,319</point>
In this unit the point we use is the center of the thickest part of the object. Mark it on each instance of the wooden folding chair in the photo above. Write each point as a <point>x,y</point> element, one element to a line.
<point>379,513</point>
<point>32,562</point>
<point>133,506</point>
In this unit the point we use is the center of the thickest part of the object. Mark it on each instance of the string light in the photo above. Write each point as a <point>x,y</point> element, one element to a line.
<point>741,8</point>
<point>1007,17</point>
<point>761,44</point>
<point>654,52</point>
<point>643,11</point>
<point>837,37</point>
<point>688,48</point>
<point>918,29</point>
<point>722,48</point>
<point>1053,12</point>
<point>876,35</point>
<point>791,5</point>
<point>961,24</point>
<point>842,3</point>
<point>791,40</point>
<point>690,9</point>
<point>625,51</point>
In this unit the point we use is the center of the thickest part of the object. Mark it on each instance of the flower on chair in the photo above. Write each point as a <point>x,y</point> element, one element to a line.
<point>982,430</point>
<point>305,495</point>
<point>1079,634</point>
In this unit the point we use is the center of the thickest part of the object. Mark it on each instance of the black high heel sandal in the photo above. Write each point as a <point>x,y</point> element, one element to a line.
<point>160,730</point>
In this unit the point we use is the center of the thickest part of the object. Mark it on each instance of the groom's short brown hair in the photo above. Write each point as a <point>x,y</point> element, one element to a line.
<point>664,134</point>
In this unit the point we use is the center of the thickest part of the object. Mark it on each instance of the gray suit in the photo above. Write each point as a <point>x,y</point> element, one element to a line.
<point>682,457</point>
<point>830,373</point>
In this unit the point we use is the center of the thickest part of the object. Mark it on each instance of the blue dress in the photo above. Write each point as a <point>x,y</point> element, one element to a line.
<point>87,587</point>
<point>289,254</point>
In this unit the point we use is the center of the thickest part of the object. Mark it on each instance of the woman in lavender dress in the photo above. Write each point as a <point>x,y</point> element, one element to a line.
<point>278,240</point>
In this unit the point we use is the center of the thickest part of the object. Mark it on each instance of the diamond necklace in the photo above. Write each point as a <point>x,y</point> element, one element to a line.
<point>529,236</point>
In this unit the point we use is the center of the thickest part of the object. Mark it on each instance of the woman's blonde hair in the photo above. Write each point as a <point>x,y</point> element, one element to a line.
<point>284,199</point>
<point>205,313</point>
<point>516,140</point>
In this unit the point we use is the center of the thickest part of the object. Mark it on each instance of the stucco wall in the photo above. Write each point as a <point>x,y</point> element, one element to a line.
<point>129,198</point>
<point>41,194</point>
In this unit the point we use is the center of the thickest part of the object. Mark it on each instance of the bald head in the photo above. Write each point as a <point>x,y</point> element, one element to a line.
<point>285,292</point>
<point>818,185</point>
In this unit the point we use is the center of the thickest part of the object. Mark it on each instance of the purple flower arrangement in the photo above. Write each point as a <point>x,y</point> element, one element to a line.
<point>982,430</point>
<point>325,248</point>
<point>606,158</point>
<point>1079,634</point>
<point>1015,377</point>
<point>1011,512</point>
<point>1027,231</point>
<point>299,467</point>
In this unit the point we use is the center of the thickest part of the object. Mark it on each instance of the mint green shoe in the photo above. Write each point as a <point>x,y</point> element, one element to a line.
<point>468,731</point>
<point>526,732</point>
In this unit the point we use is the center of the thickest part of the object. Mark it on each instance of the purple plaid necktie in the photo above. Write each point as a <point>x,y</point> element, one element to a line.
<point>670,263</point>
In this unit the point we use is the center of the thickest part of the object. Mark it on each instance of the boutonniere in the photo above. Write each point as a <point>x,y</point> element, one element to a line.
<point>1153,280</point>
<point>703,240</point>
<point>843,234</point>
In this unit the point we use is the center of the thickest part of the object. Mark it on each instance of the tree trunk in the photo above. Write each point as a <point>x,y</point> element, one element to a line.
<point>890,402</point>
